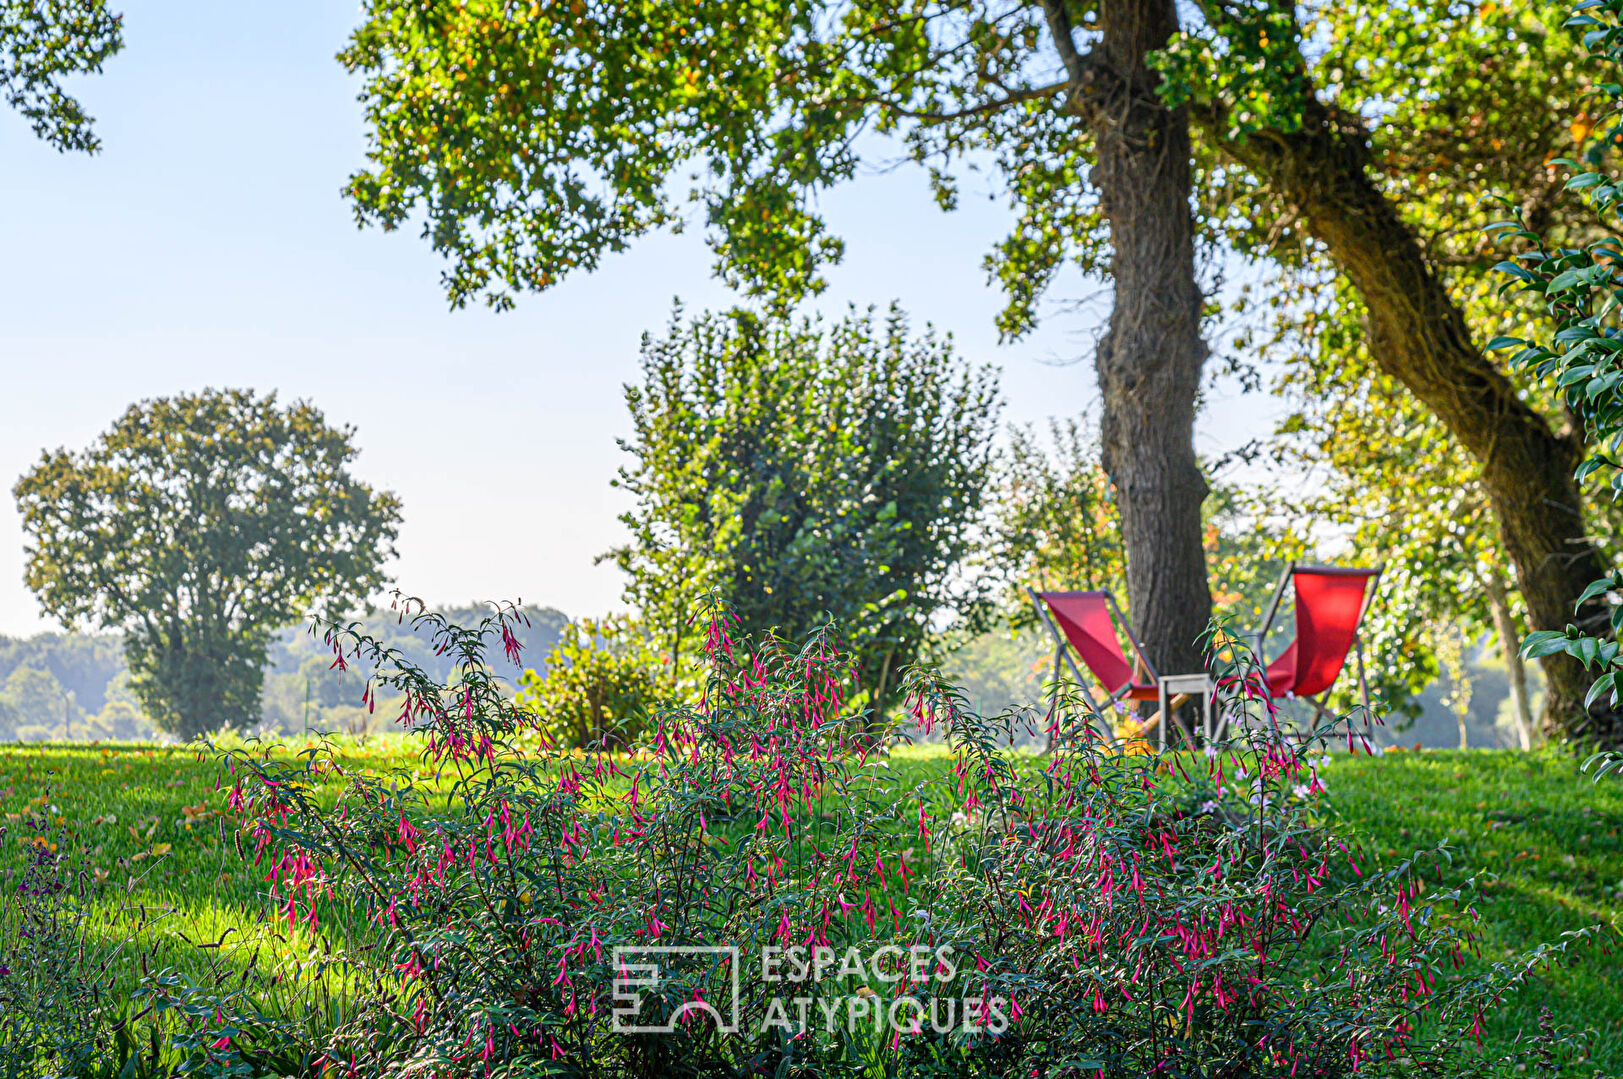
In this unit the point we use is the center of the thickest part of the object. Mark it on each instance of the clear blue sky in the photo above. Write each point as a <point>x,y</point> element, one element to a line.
<point>208,245</point>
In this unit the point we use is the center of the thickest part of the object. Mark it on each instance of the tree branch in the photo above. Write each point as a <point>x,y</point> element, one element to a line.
<point>1012,98</point>
<point>1059,25</point>
<point>1089,79</point>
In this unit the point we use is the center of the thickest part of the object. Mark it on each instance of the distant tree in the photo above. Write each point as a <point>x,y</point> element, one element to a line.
<point>120,717</point>
<point>39,708</point>
<point>803,471</point>
<point>1057,525</point>
<point>199,524</point>
<point>84,663</point>
<point>41,41</point>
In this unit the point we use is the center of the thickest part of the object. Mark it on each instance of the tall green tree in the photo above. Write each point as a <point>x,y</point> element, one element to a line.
<point>199,524</point>
<point>1057,527</point>
<point>39,707</point>
<point>536,138</point>
<point>1354,140</point>
<point>803,471</point>
<point>41,43</point>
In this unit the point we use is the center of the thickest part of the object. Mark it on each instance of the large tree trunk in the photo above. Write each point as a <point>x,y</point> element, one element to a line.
<point>1149,360</point>
<point>1418,336</point>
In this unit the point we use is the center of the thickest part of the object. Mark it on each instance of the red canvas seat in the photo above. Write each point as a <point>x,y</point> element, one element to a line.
<point>1330,602</point>
<point>1085,619</point>
<point>1092,625</point>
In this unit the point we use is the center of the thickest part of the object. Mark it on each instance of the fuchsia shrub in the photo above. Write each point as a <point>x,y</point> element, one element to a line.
<point>1079,914</point>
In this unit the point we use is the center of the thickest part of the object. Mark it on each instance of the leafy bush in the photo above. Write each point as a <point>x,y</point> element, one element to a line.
<point>1081,914</point>
<point>1579,347</point>
<point>598,685</point>
<point>806,471</point>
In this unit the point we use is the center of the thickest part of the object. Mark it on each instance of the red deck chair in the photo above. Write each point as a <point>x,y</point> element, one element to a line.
<point>1089,621</point>
<point>1330,605</point>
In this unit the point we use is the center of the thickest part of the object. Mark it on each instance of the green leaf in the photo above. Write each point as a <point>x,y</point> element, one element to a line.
<point>1595,588</point>
<point>1565,280</point>
<point>1544,642</point>
<point>1604,684</point>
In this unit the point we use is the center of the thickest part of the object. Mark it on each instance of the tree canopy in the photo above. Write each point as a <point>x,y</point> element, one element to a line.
<point>41,43</point>
<point>538,139</point>
<point>1349,142</point>
<point>802,472</point>
<point>199,524</point>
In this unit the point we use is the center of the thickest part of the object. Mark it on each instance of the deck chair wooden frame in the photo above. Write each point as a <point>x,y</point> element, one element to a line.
<point>1140,666</point>
<point>1287,579</point>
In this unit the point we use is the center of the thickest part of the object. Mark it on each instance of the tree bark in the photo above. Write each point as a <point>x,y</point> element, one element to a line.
<point>1418,336</point>
<point>1510,644</point>
<point>1149,360</point>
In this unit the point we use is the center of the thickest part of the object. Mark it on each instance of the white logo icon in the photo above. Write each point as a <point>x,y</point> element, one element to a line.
<point>645,978</point>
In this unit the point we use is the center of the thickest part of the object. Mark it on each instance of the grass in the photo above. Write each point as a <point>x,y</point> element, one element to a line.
<point>1545,843</point>
<point>172,893</point>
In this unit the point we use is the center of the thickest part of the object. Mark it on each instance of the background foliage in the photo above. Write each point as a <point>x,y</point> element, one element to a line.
<point>805,471</point>
<point>44,42</point>
<point>1573,341</point>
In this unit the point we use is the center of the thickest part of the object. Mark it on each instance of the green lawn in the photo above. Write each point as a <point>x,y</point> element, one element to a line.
<point>1546,845</point>
<point>1547,842</point>
<point>171,890</point>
